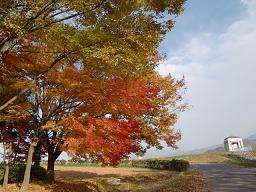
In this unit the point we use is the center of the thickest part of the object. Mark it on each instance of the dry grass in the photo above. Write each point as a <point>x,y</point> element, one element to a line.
<point>98,179</point>
<point>220,157</point>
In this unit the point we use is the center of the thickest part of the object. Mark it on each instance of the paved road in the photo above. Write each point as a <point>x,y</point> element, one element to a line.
<point>228,178</point>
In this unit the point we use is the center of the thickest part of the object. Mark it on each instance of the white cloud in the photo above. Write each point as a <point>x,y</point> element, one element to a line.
<point>190,60</point>
<point>191,71</point>
<point>220,74</point>
<point>251,6</point>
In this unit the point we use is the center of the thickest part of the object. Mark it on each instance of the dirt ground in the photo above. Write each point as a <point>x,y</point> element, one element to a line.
<point>109,179</point>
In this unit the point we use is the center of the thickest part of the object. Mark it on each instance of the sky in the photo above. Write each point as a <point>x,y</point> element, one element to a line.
<point>213,44</point>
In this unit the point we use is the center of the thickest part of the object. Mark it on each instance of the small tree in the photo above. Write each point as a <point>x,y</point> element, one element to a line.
<point>10,137</point>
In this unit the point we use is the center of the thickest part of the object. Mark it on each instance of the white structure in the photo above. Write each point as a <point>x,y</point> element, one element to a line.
<point>140,157</point>
<point>233,143</point>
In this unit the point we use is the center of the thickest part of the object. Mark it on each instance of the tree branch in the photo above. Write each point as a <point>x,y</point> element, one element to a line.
<point>66,18</point>
<point>31,19</point>
<point>31,84</point>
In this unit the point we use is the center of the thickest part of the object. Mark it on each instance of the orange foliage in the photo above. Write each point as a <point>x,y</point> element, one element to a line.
<point>92,113</point>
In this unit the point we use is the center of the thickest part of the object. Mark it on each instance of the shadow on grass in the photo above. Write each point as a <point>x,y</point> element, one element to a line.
<point>74,175</point>
<point>81,181</point>
<point>61,186</point>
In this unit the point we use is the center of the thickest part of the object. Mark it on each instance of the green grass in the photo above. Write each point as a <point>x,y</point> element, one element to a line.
<point>243,164</point>
<point>217,157</point>
<point>233,159</point>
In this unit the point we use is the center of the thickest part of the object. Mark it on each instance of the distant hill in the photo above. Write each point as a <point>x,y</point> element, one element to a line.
<point>249,142</point>
<point>218,149</point>
<point>167,152</point>
<point>252,136</point>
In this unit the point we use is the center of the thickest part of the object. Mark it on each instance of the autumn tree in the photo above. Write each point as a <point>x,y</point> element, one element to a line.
<point>87,111</point>
<point>128,113</point>
<point>15,122</point>
<point>107,29</point>
<point>15,131</point>
<point>79,108</point>
<point>86,72</point>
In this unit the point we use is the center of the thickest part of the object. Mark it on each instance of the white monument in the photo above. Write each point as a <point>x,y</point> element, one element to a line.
<point>233,143</point>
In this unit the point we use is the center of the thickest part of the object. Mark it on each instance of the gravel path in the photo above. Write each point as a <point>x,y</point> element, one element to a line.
<point>228,178</point>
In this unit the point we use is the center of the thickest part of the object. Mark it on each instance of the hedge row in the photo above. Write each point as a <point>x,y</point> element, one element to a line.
<point>174,164</point>
<point>17,171</point>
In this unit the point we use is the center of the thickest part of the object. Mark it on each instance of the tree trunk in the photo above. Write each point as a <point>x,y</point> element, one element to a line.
<point>53,154</point>
<point>37,154</point>
<point>50,170</point>
<point>7,153</point>
<point>6,163</point>
<point>26,179</point>
<point>6,175</point>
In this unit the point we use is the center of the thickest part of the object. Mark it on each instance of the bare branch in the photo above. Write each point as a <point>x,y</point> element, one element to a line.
<point>58,59</point>
<point>31,19</point>
<point>15,97</point>
<point>67,18</point>
<point>60,12</point>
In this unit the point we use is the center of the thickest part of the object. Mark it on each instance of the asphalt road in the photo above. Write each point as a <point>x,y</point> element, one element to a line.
<point>228,178</point>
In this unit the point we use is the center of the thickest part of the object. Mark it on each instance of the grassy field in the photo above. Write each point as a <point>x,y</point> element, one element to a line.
<point>106,179</point>
<point>98,179</point>
<point>218,157</point>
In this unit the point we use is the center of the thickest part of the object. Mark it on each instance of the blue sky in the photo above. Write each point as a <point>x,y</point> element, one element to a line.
<point>201,16</point>
<point>213,44</point>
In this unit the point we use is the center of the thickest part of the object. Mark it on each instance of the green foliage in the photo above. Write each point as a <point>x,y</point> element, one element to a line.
<point>1,173</point>
<point>60,162</point>
<point>17,171</point>
<point>38,173</point>
<point>174,164</point>
<point>179,165</point>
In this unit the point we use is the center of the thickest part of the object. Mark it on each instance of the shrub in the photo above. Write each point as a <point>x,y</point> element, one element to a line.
<point>179,165</point>
<point>174,164</point>
<point>38,173</point>
<point>17,171</point>
<point>1,172</point>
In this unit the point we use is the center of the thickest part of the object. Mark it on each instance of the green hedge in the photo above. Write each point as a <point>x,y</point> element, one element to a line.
<point>174,164</point>
<point>17,171</point>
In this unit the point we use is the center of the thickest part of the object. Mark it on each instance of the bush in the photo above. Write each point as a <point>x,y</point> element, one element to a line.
<point>17,171</point>
<point>174,164</point>
<point>179,165</point>
<point>1,172</point>
<point>38,173</point>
